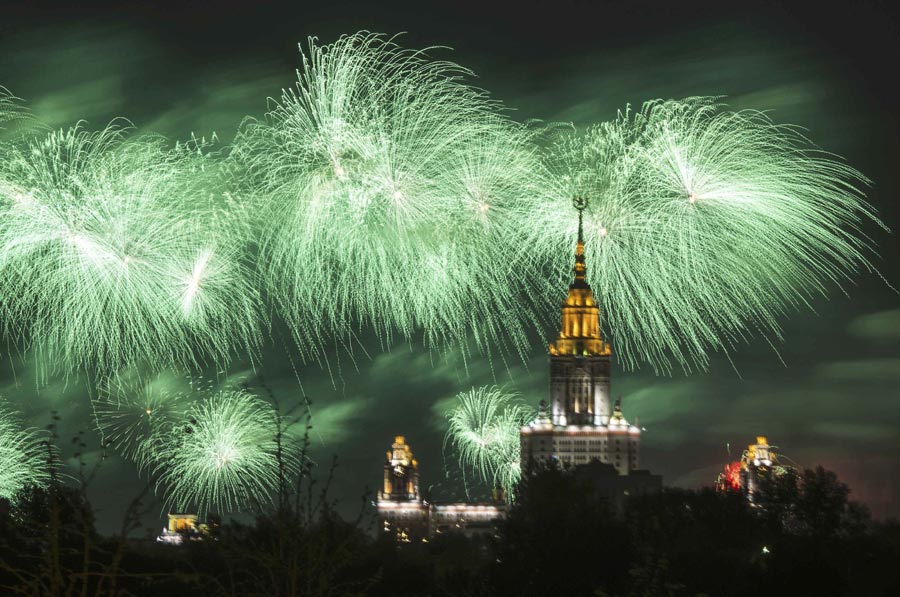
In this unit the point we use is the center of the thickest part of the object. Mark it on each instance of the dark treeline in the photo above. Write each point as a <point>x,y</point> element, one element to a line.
<point>560,538</point>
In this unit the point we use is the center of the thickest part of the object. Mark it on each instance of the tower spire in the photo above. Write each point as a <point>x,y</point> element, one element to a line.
<point>580,332</point>
<point>580,269</point>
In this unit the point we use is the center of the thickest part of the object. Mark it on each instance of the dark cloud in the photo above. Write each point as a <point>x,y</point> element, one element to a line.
<point>883,326</point>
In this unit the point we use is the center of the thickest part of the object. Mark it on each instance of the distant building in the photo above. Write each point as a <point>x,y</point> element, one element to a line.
<point>183,527</point>
<point>407,517</point>
<point>759,465</point>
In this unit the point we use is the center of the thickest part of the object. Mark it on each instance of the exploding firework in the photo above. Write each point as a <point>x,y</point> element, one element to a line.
<point>386,183</point>
<point>11,109</point>
<point>223,456</point>
<point>24,456</point>
<point>384,191</point>
<point>114,252</point>
<point>133,416</point>
<point>730,477</point>
<point>704,226</point>
<point>484,435</point>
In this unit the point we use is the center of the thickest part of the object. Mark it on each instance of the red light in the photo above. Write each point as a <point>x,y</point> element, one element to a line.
<point>730,477</point>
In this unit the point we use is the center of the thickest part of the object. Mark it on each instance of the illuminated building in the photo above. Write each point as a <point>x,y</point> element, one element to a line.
<point>756,468</point>
<point>186,526</point>
<point>405,515</point>
<point>401,511</point>
<point>751,475</point>
<point>581,425</point>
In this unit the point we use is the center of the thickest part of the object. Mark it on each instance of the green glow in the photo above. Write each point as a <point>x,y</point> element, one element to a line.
<point>133,416</point>
<point>222,455</point>
<point>484,435</point>
<point>24,455</point>
<point>384,191</point>
<point>705,226</point>
<point>114,252</point>
<point>384,185</point>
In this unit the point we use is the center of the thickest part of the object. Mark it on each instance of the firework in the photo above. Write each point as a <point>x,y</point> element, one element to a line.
<point>704,226</point>
<point>24,456</point>
<point>115,251</point>
<point>11,109</point>
<point>133,415</point>
<point>223,455</point>
<point>384,182</point>
<point>484,435</point>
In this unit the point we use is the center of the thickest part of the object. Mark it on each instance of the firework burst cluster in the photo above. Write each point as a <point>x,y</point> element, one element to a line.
<point>384,192</point>
<point>483,434</point>
<point>25,455</point>
<point>204,448</point>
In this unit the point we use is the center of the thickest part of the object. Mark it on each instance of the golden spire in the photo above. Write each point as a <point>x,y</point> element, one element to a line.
<point>580,333</point>
<point>580,269</point>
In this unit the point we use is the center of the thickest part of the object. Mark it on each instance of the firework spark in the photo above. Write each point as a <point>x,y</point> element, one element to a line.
<point>223,455</point>
<point>705,226</point>
<point>484,435</point>
<point>133,416</point>
<point>386,181</point>
<point>24,456</point>
<point>113,253</point>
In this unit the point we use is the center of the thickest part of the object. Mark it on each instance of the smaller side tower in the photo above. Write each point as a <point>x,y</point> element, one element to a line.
<point>401,473</point>
<point>401,512</point>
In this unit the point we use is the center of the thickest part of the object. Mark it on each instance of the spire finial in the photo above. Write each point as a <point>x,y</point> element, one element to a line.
<point>580,204</point>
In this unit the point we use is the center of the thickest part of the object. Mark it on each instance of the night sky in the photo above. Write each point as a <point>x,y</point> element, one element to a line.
<point>829,395</point>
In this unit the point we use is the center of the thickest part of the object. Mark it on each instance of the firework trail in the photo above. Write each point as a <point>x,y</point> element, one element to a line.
<point>484,435</point>
<point>11,109</point>
<point>133,415</point>
<point>223,455</point>
<point>115,251</point>
<point>384,191</point>
<point>704,226</point>
<point>24,456</point>
<point>385,182</point>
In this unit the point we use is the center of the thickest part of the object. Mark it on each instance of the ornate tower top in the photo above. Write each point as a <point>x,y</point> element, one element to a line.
<point>401,473</point>
<point>580,333</point>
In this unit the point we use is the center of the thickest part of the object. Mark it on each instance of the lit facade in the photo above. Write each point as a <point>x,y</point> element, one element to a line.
<point>405,515</point>
<point>185,526</point>
<point>581,423</point>
<point>752,475</point>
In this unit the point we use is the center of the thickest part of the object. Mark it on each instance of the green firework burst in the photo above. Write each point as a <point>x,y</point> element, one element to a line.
<point>385,182</point>
<point>113,252</point>
<point>223,456</point>
<point>134,415</point>
<point>705,226</point>
<point>24,456</point>
<point>484,435</point>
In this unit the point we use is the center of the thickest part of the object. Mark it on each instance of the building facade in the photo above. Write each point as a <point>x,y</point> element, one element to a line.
<point>183,527</point>
<point>404,514</point>
<point>581,423</point>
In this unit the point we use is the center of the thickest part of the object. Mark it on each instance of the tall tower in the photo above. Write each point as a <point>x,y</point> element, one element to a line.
<point>401,511</point>
<point>580,357</point>
<point>581,425</point>
<point>401,473</point>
